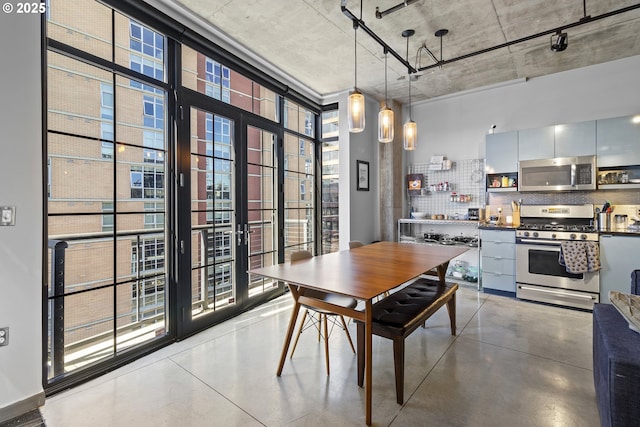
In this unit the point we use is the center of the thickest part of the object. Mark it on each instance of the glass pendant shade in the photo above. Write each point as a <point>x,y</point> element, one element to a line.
<point>356,111</point>
<point>385,124</point>
<point>410,135</point>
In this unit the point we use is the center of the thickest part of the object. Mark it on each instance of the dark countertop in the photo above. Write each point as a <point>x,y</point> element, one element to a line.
<point>622,232</point>
<point>489,226</point>
<point>631,232</point>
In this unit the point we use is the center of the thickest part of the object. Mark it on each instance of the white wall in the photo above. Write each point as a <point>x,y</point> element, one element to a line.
<point>359,213</point>
<point>456,126</point>
<point>21,186</point>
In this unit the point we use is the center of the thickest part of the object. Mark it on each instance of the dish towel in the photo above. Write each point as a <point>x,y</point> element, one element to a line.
<point>580,257</point>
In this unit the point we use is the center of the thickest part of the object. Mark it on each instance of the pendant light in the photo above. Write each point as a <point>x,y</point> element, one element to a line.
<point>410,129</point>
<point>385,116</point>
<point>356,99</point>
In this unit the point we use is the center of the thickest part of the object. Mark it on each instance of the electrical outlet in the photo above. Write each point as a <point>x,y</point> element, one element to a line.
<point>7,215</point>
<point>4,336</point>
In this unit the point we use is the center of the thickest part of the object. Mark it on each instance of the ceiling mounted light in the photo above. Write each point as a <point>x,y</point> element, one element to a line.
<point>385,116</point>
<point>559,41</point>
<point>356,99</point>
<point>410,129</point>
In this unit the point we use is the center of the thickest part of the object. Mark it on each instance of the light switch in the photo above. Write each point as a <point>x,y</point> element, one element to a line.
<point>7,215</point>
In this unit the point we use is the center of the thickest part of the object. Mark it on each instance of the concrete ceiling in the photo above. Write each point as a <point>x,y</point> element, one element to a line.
<point>313,41</point>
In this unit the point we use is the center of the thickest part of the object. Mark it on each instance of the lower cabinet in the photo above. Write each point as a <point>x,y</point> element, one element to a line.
<point>618,258</point>
<point>498,260</point>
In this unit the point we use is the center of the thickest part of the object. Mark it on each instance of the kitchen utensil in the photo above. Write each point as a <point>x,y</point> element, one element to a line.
<point>620,221</point>
<point>432,237</point>
<point>604,221</point>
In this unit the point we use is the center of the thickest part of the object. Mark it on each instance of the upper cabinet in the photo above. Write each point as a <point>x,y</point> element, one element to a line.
<point>502,152</point>
<point>570,140</point>
<point>618,141</point>
<point>576,139</point>
<point>537,143</point>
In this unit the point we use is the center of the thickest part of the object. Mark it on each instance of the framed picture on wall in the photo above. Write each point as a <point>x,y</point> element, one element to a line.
<point>363,175</point>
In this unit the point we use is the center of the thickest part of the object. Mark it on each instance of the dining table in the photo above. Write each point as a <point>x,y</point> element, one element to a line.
<point>363,273</point>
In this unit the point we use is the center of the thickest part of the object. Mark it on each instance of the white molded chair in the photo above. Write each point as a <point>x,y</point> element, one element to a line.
<point>323,316</point>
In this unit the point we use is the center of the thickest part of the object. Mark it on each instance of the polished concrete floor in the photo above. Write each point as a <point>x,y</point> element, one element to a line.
<point>513,363</point>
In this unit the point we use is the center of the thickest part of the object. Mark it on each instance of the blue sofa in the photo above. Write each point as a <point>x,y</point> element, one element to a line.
<point>616,364</point>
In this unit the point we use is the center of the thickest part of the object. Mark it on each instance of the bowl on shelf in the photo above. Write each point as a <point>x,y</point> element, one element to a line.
<point>419,215</point>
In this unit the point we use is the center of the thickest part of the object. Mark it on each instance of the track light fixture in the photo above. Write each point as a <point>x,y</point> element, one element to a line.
<point>559,41</point>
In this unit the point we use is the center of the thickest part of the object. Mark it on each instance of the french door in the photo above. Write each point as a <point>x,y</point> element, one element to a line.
<point>227,210</point>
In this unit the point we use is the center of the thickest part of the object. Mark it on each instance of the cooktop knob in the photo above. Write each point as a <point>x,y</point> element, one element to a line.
<point>553,236</point>
<point>526,234</point>
<point>573,236</point>
<point>535,234</point>
<point>583,236</point>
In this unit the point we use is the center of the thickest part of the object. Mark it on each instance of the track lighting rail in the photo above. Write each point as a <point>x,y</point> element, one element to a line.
<point>357,22</point>
<point>584,20</point>
<point>392,9</point>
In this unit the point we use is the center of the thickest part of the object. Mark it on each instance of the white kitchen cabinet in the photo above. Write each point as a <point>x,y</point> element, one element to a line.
<point>537,143</point>
<point>618,141</point>
<point>618,258</point>
<point>575,139</point>
<point>501,151</point>
<point>569,140</point>
<point>498,260</point>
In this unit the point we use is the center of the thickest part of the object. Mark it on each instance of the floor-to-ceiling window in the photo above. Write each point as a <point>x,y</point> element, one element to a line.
<point>299,179</point>
<point>330,181</point>
<point>133,153</point>
<point>106,190</point>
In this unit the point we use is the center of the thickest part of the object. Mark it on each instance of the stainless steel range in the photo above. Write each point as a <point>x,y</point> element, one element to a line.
<point>539,275</point>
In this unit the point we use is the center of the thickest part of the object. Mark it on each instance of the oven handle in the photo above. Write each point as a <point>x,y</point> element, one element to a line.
<point>540,242</point>
<point>573,174</point>
<point>548,291</point>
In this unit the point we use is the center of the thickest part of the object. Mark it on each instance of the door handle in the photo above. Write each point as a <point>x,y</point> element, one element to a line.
<point>239,234</point>
<point>247,232</point>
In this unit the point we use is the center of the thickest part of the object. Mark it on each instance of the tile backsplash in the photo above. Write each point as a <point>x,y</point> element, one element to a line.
<point>626,201</point>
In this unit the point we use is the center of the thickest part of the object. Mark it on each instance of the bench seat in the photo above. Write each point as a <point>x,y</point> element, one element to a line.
<point>398,315</point>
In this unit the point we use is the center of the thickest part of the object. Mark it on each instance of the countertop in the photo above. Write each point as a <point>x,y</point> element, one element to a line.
<point>633,232</point>
<point>489,226</point>
<point>621,232</point>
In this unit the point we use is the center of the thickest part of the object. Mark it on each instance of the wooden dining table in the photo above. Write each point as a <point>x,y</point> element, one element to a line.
<point>362,273</point>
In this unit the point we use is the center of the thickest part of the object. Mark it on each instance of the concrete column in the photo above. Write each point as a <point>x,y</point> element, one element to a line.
<point>391,179</point>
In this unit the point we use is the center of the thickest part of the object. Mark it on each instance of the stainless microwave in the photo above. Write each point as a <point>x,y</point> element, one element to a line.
<point>559,174</point>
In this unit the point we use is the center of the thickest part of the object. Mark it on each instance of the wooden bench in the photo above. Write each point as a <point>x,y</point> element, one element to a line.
<point>398,315</point>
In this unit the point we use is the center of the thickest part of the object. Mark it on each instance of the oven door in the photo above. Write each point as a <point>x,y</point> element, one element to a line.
<point>537,264</point>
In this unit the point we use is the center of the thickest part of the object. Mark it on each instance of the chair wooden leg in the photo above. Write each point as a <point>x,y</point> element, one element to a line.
<point>360,353</point>
<point>346,331</point>
<point>323,318</point>
<point>398,363</point>
<point>295,343</point>
<point>451,308</point>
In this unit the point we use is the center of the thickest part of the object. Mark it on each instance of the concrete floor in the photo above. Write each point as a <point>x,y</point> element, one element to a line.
<point>513,363</point>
